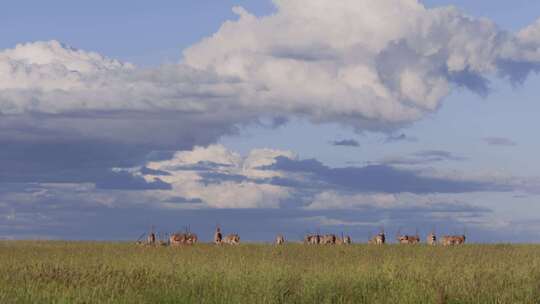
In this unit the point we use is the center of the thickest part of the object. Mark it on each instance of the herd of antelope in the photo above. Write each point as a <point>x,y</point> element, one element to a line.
<point>189,238</point>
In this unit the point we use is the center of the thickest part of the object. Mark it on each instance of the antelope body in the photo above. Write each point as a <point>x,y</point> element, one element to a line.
<point>177,239</point>
<point>329,239</point>
<point>449,240</point>
<point>232,239</point>
<point>280,240</point>
<point>151,239</point>
<point>346,240</point>
<point>379,239</point>
<point>431,239</point>
<point>312,239</point>
<point>408,239</point>
<point>218,237</point>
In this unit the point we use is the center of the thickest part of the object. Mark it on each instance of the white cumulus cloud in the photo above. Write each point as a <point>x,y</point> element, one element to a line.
<point>368,64</point>
<point>240,182</point>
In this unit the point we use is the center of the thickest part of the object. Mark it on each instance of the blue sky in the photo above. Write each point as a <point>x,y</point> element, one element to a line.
<point>233,120</point>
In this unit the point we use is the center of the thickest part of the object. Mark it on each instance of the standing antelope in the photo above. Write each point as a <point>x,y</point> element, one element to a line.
<point>312,239</point>
<point>191,238</point>
<point>379,239</point>
<point>407,239</point>
<point>329,239</point>
<point>449,240</point>
<point>177,239</point>
<point>431,239</point>
<point>280,239</point>
<point>218,237</point>
<point>346,240</point>
<point>151,240</point>
<point>232,239</point>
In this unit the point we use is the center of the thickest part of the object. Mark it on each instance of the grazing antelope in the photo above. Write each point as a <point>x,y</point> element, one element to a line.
<point>218,237</point>
<point>379,239</point>
<point>232,239</point>
<point>280,239</point>
<point>431,239</point>
<point>449,240</point>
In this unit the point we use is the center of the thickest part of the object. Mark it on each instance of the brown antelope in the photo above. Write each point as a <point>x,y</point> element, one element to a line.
<point>151,239</point>
<point>232,239</point>
<point>177,239</point>
<point>345,240</point>
<point>218,237</point>
<point>191,238</point>
<point>379,239</point>
<point>329,239</point>
<point>407,239</point>
<point>431,239</point>
<point>280,239</point>
<point>312,239</point>
<point>449,240</point>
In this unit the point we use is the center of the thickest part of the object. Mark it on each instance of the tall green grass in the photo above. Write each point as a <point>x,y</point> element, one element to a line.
<point>86,272</point>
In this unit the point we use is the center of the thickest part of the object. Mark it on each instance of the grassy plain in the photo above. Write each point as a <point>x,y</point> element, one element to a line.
<point>100,272</point>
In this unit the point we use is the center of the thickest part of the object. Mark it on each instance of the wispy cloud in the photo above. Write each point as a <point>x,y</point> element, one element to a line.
<point>499,141</point>
<point>400,137</point>
<point>346,143</point>
<point>421,158</point>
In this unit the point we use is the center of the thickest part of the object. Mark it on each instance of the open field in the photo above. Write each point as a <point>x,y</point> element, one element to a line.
<point>86,272</point>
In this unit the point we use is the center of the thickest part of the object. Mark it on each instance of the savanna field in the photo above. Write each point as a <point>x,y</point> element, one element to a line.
<point>100,272</point>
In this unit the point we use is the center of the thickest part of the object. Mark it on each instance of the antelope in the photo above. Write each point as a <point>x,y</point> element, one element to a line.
<point>329,239</point>
<point>232,239</point>
<point>407,239</point>
<point>151,239</point>
<point>431,239</point>
<point>449,240</point>
<point>312,239</point>
<point>191,238</point>
<point>177,239</point>
<point>344,240</point>
<point>379,239</point>
<point>280,239</point>
<point>218,237</point>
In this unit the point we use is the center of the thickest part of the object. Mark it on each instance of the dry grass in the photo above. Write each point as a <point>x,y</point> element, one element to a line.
<point>85,272</point>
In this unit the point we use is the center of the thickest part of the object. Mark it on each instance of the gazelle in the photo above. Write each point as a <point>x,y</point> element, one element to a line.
<point>177,239</point>
<point>280,239</point>
<point>449,240</point>
<point>218,237</point>
<point>232,239</point>
<point>378,239</point>
<point>407,239</point>
<point>312,239</point>
<point>346,240</point>
<point>329,239</point>
<point>431,239</point>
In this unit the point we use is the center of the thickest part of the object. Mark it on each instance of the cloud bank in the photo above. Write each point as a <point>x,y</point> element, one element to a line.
<point>369,65</point>
<point>266,188</point>
<point>67,116</point>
